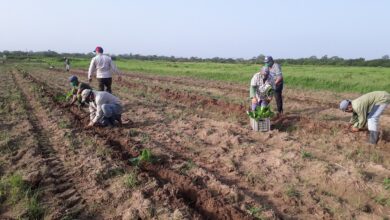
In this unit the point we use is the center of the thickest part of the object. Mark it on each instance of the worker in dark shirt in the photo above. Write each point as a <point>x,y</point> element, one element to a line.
<point>77,89</point>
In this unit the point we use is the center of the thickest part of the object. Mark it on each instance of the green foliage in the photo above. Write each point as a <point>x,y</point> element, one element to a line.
<point>64,124</point>
<point>306,155</point>
<point>305,75</point>
<point>293,192</point>
<point>34,208</point>
<point>130,179</point>
<point>386,183</point>
<point>256,212</point>
<point>16,187</point>
<point>261,113</point>
<point>187,167</point>
<point>144,157</point>
<point>14,190</point>
<point>382,200</point>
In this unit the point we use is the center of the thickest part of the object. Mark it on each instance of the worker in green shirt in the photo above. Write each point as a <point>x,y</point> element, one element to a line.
<point>77,89</point>
<point>366,110</point>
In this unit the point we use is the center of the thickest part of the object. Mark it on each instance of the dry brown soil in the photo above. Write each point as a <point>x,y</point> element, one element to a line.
<point>208,164</point>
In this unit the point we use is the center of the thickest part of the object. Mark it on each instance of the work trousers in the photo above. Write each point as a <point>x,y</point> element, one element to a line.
<point>373,116</point>
<point>278,97</point>
<point>105,84</point>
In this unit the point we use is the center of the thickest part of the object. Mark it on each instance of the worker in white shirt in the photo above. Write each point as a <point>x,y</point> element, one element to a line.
<point>104,108</point>
<point>103,66</point>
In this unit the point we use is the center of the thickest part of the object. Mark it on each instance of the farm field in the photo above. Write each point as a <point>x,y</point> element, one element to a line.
<point>328,78</point>
<point>207,163</point>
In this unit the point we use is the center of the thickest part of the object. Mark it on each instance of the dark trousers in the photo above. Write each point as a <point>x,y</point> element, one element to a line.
<point>105,82</point>
<point>279,97</point>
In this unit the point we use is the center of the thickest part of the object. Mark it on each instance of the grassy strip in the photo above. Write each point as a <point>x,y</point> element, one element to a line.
<point>331,78</point>
<point>14,191</point>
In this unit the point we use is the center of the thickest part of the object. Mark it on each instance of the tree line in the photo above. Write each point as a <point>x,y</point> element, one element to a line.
<point>384,61</point>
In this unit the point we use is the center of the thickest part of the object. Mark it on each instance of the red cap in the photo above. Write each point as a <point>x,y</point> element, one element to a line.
<point>98,49</point>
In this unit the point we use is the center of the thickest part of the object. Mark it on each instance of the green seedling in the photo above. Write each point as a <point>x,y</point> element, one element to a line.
<point>306,155</point>
<point>34,208</point>
<point>386,183</point>
<point>187,167</point>
<point>261,113</point>
<point>292,192</point>
<point>382,200</point>
<point>256,212</point>
<point>130,179</point>
<point>145,157</point>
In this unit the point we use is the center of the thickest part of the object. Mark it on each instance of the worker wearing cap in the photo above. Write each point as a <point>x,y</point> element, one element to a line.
<point>366,110</point>
<point>276,72</point>
<point>103,66</point>
<point>261,88</point>
<point>105,108</point>
<point>77,89</point>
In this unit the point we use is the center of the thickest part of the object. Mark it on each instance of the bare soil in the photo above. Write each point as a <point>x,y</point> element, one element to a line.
<point>208,163</point>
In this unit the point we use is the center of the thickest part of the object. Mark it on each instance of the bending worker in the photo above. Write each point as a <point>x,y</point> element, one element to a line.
<point>105,109</point>
<point>261,88</point>
<point>77,89</point>
<point>366,110</point>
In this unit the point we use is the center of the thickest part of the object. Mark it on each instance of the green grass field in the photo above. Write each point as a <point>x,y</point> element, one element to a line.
<point>331,78</point>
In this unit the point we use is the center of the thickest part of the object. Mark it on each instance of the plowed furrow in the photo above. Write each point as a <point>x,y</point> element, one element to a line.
<point>55,165</point>
<point>212,208</point>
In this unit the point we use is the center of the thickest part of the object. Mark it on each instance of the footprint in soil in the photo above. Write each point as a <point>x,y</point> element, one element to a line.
<point>284,123</point>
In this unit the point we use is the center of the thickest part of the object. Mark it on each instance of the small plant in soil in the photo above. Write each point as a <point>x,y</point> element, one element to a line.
<point>376,157</point>
<point>34,208</point>
<point>14,190</point>
<point>145,138</point>
<point>382,200</point>
<point>133,132</point>
<point>144,157</point>
<point>130,179</point>
<point>63,124</point>
<point>187,167</point>
<point>292,192</point>
<point>306,155</point>
<point>386,183</point>
<point>254,178</point>
<point>256,212</point>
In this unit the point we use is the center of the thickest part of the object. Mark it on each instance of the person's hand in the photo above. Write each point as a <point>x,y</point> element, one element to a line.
<point>254,100</point>
<point>355,129</point>
<point>90,125</point>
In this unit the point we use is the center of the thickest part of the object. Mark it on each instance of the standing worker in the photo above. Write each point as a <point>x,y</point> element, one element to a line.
<point>261,88</point>
<point>105,109</point>
<point>67,64</point>
<point>103,66</point>
<point>276,72</point>
<point>366,108</point>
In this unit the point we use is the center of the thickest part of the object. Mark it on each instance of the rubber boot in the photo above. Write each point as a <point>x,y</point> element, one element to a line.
<point>119,119</point>
<point>106,122</point>
<point>374,137</point>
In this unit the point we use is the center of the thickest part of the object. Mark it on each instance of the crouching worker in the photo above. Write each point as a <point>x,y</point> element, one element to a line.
<point>261,88</point>
<point>77,89</point>
<point>105,109</point>
<point>366,110</point>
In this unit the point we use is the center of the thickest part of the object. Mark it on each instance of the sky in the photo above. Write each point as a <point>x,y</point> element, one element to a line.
<point>199,28</point>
